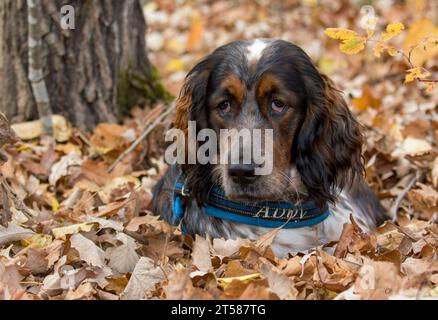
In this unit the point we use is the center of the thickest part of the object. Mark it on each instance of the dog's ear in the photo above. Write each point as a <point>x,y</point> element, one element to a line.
<point>328,146</point>
<point>191,106</point>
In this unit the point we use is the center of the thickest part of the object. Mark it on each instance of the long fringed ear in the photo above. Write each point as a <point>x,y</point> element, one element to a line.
<point>328,146</point>
<point>191,100</point>
<point>182,108</point>
<point>190,106</point>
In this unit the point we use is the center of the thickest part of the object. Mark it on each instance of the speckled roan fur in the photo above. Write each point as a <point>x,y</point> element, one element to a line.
<point>323,164</point>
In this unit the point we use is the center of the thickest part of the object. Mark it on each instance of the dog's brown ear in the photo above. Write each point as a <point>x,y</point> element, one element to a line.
<point>182,108</point>
<point>190,106</point>
<point>328,146</point>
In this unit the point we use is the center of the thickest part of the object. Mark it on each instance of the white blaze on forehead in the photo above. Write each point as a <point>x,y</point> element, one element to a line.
<point>255,49</point>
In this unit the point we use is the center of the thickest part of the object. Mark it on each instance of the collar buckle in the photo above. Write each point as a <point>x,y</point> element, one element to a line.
<point>185,191</point>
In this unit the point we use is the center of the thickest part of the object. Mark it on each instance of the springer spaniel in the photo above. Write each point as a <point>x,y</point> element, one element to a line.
<point>317,172</point>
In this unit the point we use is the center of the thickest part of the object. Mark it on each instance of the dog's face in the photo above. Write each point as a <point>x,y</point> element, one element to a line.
<point>271,85</point>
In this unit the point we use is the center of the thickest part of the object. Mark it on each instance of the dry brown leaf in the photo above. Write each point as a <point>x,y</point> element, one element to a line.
<point>423,197</point>
<point>84,292</point>
<point>143,279</point>
<point>228,247</point>
<point>279,283</point>
<point>13,233</point>
<point>123,258</point>
<point>62,232</point>
<point>10,280</point>
<point>88,251</point>
<point>377,280</point>
<point>354,240</point>
<point>201,254</point>
<point>62,167</point>
<point>178,283</point>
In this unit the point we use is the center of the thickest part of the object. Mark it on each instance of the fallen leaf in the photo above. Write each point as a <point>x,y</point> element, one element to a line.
<point>201,254</point>
<point>13,233</point>
<point>61,168</point>
<point>117,284</point>
<point>412,146</point>
<point>37,241</point>
<point>88,251</point>
<point>123,258</point>
<point>354,240</point>
<point>366,100</point>
<point>377,280</point>
<point>195,33</point>
<point>228,247</point>
<point>435,172</point>
<point>143,279</point>
<point>84,292</point>
<point>10,279</point>
<point>224,282</point>
<point>36,261</point>
<point>32,129</point>
<point>62,232</point>
<point>279,284</point>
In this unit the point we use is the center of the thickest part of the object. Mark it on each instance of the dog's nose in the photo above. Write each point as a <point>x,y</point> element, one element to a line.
<point>242,173</point>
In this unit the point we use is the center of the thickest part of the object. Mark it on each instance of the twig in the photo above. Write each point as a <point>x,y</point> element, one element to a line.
<point>400,197</point>
<point>145,133</point>
<point>404,231</point>
<point>6,212</point>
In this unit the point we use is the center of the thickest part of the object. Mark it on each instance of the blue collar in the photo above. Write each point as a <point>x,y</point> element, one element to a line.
<point>262,214</point>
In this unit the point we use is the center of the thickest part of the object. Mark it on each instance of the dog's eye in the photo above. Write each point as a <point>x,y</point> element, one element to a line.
<point>224,106</point>
<point>278,106</point>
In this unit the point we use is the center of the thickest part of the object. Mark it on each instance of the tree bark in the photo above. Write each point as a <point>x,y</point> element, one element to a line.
<point>93,73</point>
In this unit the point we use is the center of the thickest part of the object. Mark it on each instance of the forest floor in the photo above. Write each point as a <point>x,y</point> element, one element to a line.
<point>73,229</point>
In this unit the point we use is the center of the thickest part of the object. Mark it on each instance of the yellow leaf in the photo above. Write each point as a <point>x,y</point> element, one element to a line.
<point>340,33</point>
<point>380,47</point>
<point>175,65</point>
<point>353,45</point>
<point>175,45</point>
<point>430,86</point>
<point>60,233</point>
<point>66,148</point>
<point>117,284</point>
<point>32,129</point>
<point>418,32</point>
<point>392,30</point>
<point>392,51</point>
<point>224,282</point>
<point>23,148</point>
<point>416,73</point>
<point>52,201</point>
<point>37,241</point>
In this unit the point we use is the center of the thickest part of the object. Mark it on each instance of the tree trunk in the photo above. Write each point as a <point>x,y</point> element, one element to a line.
<point>93,73</point>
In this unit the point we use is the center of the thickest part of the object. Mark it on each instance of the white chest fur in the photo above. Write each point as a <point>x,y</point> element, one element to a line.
<point>303,239</point>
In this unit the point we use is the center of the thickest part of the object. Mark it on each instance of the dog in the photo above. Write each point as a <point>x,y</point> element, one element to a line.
<point>316,181</point>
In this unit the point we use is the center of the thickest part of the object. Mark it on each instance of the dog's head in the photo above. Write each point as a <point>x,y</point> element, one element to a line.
<point>272,84</point>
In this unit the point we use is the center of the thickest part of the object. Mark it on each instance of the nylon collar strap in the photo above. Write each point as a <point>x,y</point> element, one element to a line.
<point>262,214</point>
